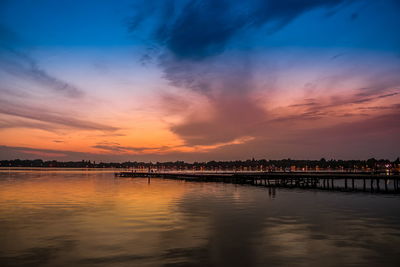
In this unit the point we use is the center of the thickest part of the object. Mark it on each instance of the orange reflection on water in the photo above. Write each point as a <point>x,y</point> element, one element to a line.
<point>101,215</point>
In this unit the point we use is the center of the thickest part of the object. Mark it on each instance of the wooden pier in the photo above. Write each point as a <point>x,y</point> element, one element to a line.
<point>340,181</point>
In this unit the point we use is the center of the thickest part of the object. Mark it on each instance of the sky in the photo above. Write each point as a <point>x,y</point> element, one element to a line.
<point>196,80</point>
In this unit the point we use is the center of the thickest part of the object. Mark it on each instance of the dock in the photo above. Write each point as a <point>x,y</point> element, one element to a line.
<point>338,181</point>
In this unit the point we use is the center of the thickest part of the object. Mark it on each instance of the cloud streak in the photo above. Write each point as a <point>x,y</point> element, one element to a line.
<point>116,148</point>
<point>23,66</point>
<point>48,119</point>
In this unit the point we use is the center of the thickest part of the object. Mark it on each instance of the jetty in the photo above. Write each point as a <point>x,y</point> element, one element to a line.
<point>340,181</point>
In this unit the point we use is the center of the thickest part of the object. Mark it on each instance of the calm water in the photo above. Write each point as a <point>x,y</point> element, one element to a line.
<point>94,219</point>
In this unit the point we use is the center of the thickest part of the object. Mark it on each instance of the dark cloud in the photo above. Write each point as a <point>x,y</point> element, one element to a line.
<point>196,29</point>
<point>372,136</point>
<point>354,16</point>
<point>226,84</point>
<point>174,104</point>
<point>229,73</point>
<point>378,125</point>
<point>193,36</point>
<point>234,113</point>
<point>233,116</point>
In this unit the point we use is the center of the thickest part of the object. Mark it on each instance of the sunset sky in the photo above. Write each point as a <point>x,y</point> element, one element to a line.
<point>199,80</point>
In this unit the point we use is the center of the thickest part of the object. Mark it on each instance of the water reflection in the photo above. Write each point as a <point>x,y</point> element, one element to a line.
<point>72,219</point>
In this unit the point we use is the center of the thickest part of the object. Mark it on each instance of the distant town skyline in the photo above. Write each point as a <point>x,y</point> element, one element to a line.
<point>147,80</point>
<point>264,165</point>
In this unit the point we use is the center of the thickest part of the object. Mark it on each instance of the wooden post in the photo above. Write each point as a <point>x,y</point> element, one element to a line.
<point>386,187</point>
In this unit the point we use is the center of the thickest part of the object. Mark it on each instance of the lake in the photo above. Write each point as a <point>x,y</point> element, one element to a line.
<point>91,218</point>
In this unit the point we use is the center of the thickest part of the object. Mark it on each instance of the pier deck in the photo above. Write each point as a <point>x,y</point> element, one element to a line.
<point>367,182</point>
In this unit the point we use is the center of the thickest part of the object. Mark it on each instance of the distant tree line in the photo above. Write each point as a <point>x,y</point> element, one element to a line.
<point>250,164</point>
